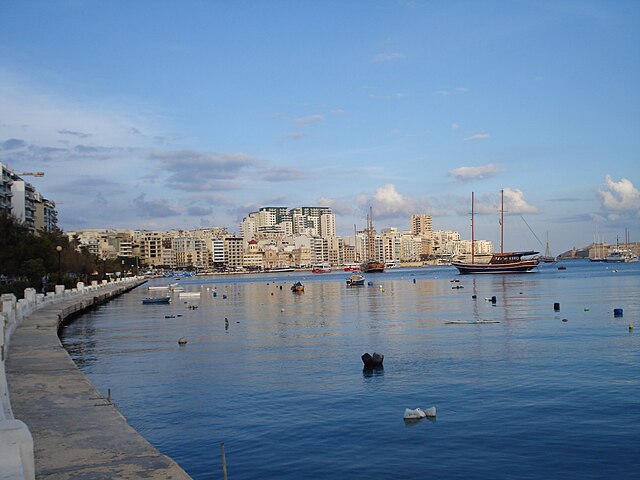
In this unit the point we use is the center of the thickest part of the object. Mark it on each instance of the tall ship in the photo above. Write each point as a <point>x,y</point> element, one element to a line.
<point>503,262</point>
<point>371,264</point>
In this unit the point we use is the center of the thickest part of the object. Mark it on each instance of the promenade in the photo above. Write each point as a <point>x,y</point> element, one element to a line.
<point>76,433</point>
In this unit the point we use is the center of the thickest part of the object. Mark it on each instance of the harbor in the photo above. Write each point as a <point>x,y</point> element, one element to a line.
<point>525,390</point>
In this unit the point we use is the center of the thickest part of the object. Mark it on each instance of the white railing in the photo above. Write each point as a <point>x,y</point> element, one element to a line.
<point>16,443</point>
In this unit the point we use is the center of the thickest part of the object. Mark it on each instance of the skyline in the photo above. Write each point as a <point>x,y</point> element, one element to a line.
<point>164,115</point>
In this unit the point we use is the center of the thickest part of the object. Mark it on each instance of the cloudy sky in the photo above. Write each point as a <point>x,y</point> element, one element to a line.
<point>181,114</point>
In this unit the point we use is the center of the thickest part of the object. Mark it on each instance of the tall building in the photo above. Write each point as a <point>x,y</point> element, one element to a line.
<point>23,202</point>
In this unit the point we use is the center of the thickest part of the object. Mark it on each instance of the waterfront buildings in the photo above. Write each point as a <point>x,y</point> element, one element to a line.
<point>20,199</point>
<point>276,237</point>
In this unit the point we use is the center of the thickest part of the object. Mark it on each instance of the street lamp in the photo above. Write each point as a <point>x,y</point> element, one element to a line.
<point>59,250</point>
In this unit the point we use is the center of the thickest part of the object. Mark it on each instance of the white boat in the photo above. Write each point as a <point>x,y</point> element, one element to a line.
<point>189,295</point>
<point>158,287</point>
<point>618,255</point>
<point>322,268</point>
<point>355,280</point>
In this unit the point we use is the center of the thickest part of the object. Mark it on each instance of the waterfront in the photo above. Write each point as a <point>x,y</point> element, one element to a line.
<point>529,397</point>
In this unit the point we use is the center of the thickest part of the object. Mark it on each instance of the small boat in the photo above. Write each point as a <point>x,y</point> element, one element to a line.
<point>189,295</point>
<point>280,270</point>
<point>503,262</point>
<point>355,280</point>
<point>158,287</point>
<point>156,300</point>
<point>322,268</point>
<point>297,287</point>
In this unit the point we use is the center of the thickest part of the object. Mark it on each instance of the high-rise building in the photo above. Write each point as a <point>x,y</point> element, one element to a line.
<point>421,225</point>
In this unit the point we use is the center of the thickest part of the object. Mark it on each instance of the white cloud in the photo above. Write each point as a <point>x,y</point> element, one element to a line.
<point>514,202</point>
<point>474,173</point>
<point>477,136</point>
<point>455,126</point>
<point>387,202</point>
<point>308,120</point>
<point>386,57</point>
<point>620,196</point>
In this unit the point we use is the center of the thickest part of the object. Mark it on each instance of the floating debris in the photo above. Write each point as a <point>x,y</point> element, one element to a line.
<point>182,341</point>
<point>418,413</point>
<point>372,361</point>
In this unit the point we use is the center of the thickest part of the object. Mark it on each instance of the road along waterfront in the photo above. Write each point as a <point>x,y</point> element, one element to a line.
<point>77,433</point>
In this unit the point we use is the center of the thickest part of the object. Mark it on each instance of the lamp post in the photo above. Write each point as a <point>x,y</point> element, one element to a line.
<point>59,250</point>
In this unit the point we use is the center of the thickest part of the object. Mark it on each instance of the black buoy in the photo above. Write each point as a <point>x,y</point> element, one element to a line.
<point>474,296</point>
<point>493,299</point>
<point>556,307</point>
<point>617,312</point>
<point>372,361</point>
<point>414,280</point>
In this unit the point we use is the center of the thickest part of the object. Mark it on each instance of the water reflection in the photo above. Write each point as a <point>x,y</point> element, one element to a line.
<point>369,372</point>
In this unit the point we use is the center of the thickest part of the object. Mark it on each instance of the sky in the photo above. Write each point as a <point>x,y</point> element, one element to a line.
<point>190,114</point>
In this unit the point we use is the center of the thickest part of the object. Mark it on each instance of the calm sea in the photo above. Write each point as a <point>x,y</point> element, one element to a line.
<point>530,397</point>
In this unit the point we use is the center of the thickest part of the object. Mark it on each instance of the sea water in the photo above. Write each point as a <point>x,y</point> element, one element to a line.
<point>542,394</point>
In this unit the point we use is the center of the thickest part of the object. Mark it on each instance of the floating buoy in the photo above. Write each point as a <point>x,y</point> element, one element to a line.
<point>282,309</point>
<point>215,294</point>
<point>630,327</point>
<point>224,296</point>
<point>493,299</point>
<point>556,307</point>
<point>617,312</point>
<point>586,309</point>
<point>414,280</point>
<point>565,320</point>
<point>474,296</point>
<point>182,341</point>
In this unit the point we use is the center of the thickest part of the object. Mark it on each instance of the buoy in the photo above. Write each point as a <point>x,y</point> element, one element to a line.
<point>617,312</point>
<point>565,320</point>
<point>474,296</point>
<point>215,294</point>
<point>182,341</point>
<point>224,296</point>
<point>556,307</point>
<point>630,327</point>
<point>282,309</point>
<point>493,299</point>
<point>586,309</point>
<point>414,280</point>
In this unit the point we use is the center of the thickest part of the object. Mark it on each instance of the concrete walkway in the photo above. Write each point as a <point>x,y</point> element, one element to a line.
<point>75,434</point>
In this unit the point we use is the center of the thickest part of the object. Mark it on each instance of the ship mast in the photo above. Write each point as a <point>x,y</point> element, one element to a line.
<point>370,235</point>
<point>501,221</point>
<point>473,249</point>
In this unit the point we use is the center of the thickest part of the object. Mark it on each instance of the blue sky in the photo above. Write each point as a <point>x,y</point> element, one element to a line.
<point>167,114</point>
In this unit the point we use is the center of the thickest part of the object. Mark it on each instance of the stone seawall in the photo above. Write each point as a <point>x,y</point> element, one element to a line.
<point>76,432</point>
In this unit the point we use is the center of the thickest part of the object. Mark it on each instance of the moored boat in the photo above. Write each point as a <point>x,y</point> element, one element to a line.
<point>156,300</point>
<point>355,280</point>
<point>297,287</point>
<point>322,268</point>
<point>503,262</point>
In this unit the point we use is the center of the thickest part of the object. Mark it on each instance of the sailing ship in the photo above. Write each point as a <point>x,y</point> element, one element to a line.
<point>547,257</point>
<point>621,255</point>
<point>503,262</point>
<point>598,246</point>
<point>371,264</point>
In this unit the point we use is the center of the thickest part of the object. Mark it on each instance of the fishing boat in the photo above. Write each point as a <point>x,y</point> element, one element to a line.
<point>355,280</point>
<point>371,264</point>
<point>297,287</point>
<point>503,262</point>
<point>156,300</point>
<point>322,268</point>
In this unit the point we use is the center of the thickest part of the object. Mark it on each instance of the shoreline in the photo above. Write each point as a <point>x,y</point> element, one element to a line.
<point>76,432</point>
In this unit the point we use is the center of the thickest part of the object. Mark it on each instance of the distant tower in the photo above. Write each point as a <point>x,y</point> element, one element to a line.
<point>422,225</point>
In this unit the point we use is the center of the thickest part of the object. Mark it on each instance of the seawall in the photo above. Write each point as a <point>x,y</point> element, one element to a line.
<point>76,432</point>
